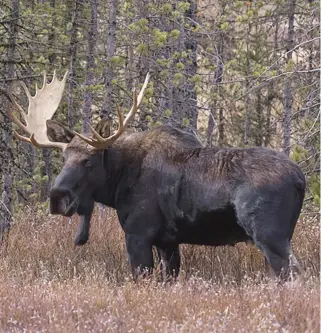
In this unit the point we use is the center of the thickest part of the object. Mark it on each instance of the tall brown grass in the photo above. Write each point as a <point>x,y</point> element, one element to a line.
<point>49,285</point>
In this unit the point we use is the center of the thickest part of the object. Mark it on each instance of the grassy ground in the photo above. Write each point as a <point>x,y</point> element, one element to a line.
<point>48,285</point>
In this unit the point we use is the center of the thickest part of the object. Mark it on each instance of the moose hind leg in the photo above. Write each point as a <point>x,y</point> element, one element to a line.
<point>278,254</point>
<point>268,218</point>
<point>140,255</point>
<point>295,267</point>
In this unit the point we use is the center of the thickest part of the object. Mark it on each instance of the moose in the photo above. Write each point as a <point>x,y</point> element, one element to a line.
<point>166,187</point>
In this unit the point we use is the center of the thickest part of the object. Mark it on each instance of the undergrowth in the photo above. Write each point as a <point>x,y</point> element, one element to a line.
<point>49,285</point>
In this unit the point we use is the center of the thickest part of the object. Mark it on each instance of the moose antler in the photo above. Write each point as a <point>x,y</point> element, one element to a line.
<point>98,141</point>
<point>41,108</point>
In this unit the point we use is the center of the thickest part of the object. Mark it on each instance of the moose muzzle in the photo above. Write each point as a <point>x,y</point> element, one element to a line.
<point>62,201</point>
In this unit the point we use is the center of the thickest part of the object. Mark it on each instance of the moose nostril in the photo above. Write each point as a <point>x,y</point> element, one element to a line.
<point>60,200</point>
<point>64,204</point>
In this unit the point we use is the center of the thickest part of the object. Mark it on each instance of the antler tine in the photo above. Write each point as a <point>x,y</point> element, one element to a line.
<point>19,108</point>
<point>99,142</point>
<point>44,79</point>
<point>17,121</point>
<point>21,137</point>
<point>60,145</point>
<point>54,77</point>
<point>133,110</point>
<point>137,100</point>
<point>141,94</point>
<point>120,117</point>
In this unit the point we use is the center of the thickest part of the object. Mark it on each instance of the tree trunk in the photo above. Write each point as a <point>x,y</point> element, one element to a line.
<point>73,58</point>
<point>271,88</point>
<point>311,77</point>
<point>191,69</point>
<point>221,128</point>
<point>268,129</point>
<point>90,67</point>
<point>246,97</point>
<point>184,96</point>
<point>46,153</point>
<point>288,94</point>
<point>259,120</point>
<point>6,197</point>
<point>216,89</point>
<point>107,109</point>
<point>52,37</point>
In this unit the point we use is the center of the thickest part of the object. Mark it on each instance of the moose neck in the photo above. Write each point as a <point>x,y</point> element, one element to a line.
<point>121,170</point>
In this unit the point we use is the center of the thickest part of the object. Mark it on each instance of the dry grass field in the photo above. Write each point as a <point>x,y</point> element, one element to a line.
<point>48,285</point>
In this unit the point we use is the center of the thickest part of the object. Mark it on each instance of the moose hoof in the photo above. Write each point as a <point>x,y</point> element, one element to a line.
<point>80,240</point>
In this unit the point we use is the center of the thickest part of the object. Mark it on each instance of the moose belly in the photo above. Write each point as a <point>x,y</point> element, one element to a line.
<point>210,228</point>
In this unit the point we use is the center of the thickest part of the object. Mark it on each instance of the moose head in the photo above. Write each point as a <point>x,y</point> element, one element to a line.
<point>83,171</point>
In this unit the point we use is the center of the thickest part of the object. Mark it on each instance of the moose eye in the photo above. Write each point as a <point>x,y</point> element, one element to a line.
<point>88,163</point>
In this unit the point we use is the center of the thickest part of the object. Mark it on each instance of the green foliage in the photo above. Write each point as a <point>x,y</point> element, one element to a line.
<point>164,73</point>
<point>185,122</point>
<point>184,54</point>
<point>117,60</point>
<point>224,26</point>
<point>142,23</point>
<point>157,123</point>
<point>167,8</point>
<point>175,33</point>
<point>168,113</point>
<point>160,37</point>
<point>178,77</point>
<point>290,65</point>
<point>163,62</point>
<point>196,78</point>
<point>142,49</point>
<point>299,153</point>
<point>148,91</point>
<point>183,6</point>
<point>180,66</point>
<point>148,118</point>
<point>140,26</point>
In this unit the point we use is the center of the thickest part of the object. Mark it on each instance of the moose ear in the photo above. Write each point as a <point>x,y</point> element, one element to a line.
<point>103,127</point>
<point>58,133</point>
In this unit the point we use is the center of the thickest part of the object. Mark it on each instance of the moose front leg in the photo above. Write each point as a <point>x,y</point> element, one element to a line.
<point>169,261</point>
<point>140,255</point>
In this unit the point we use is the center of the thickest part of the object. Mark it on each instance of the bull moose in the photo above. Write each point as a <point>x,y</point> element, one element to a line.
<point>166,187</point>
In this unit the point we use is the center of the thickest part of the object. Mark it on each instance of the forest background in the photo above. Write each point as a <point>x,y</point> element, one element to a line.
<point>236,73</point>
